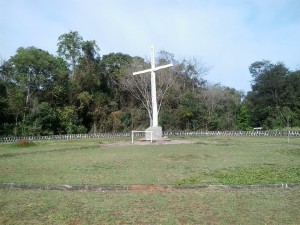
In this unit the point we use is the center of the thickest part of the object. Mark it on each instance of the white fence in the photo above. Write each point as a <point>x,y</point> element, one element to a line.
<point>169,134</point>
<point>235,133</point>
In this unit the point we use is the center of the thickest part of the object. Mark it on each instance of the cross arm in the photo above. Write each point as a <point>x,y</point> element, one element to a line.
<point>152,70</point>
<point>143,71</point>
<point>162,67</point>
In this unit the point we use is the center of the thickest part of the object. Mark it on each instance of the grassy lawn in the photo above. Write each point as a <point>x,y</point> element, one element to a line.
<point>210,160</point>
<point>178,207</point>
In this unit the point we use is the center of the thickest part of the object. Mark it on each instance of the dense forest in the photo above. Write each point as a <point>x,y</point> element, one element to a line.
<point>80,91</point>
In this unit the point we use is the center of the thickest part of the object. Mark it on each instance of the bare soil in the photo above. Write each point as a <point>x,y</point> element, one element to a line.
<point>144,142</point>
<point>151,188</point>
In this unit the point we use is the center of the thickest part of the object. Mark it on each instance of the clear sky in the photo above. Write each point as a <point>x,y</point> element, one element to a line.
<point>227,35</point>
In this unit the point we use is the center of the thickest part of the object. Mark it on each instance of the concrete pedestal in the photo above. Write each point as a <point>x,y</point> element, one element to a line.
<point>156,133</point>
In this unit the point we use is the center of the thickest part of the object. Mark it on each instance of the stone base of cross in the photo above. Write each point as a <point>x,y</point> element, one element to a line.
<point>157,134</point>
<point>156,130</point>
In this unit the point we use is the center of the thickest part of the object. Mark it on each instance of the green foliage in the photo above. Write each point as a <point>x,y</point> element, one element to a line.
<point>31,77</point>
<point>5,114</point>
<point>189,111</point>
<point>168,119</point>
<point>69,121</point>
<point>81,91</point>
<point>42,121</point>
<point>70,47</point>
<point>243,119</point>
<point>272,102</point>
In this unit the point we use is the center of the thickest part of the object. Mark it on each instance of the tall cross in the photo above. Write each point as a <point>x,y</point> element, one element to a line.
<point>153,85</point>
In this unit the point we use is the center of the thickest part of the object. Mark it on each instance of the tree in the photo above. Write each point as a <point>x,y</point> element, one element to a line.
<point>171,78</point>
<point>100,113</point>
<point>88,73</point>
<point>5,112</point>
<point>140,86</point>
<point>191,74</point>
<point>70,48</point>
<point>33,76</point>
<point>190,111</point>
<point>221,104</point>
<point>274,100</point>
<point>113,68</point>
<point>12,98</point>
<point>35,71</point>
<point>69,121</point>
<point>243,118</point>
<point>88,76</point>
<point>43,120</point>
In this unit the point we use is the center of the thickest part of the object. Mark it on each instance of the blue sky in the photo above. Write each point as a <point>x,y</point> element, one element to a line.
<point>226,35</point>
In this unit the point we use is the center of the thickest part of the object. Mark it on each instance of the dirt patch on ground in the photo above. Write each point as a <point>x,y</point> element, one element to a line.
<point>150,188</point>
<point>144,187</point>
<point>143,142</point>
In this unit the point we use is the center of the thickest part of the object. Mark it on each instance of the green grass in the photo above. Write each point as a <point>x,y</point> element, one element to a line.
<point>219,160</point>
<point>212,160</point>
<point>178,207</point>
<point>266,174</point>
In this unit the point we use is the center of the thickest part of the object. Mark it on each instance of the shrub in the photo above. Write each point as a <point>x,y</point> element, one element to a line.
<point>23,143</point>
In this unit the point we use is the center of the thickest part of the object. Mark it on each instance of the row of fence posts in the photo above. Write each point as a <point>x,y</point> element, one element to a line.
<point>166,133</point>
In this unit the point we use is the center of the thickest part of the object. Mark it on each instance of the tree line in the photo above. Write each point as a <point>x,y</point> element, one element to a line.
<point>80,91</point>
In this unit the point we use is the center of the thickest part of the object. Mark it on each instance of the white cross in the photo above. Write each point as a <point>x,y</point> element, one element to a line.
<point>153,85</point>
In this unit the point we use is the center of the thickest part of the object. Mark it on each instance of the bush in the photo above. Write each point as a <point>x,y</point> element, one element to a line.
<point>24,143</point>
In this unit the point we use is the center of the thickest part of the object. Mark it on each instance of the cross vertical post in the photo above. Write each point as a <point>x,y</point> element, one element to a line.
<point>154,125</point>
<point>153,91</point>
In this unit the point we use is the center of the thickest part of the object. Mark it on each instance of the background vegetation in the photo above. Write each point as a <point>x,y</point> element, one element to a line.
<point>79,91</point>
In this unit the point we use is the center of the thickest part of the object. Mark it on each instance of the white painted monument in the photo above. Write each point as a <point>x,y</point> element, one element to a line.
<point>156,130</point>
